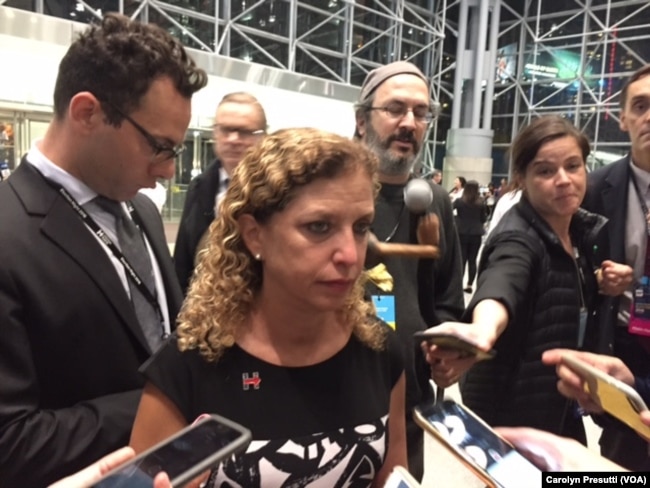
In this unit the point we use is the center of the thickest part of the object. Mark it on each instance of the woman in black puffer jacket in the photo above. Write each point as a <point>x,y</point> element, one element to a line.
<point>537,289</point>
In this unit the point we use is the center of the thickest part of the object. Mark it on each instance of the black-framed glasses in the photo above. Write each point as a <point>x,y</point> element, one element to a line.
<point>397,110</point>
<point>161,152</point>
<point>242,133</point>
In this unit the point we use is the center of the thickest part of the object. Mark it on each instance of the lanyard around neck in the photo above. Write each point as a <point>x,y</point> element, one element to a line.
<point>642,203</point>
<point>101,234</point>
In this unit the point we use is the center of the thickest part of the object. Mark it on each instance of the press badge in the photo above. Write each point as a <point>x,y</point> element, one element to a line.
<point>385,306</point>
<point>640,313</point>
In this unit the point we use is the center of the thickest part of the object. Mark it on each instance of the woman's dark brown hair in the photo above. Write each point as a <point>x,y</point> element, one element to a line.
<point>540,131</point>
<point>470,192</point>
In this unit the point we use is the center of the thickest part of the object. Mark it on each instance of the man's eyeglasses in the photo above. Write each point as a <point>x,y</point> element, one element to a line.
<point>397,110</point>
<point>225,131</point>
<point>161,152</point>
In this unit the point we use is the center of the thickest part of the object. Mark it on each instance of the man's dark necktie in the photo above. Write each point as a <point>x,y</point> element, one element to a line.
<point>131,243</point>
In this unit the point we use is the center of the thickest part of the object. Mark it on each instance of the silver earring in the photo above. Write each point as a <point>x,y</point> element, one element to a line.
<point>258,257</point>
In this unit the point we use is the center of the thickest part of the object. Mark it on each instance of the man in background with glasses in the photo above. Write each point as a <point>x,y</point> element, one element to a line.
<point>392,118</point>
<point>87,286</point>
<point>240,122</point>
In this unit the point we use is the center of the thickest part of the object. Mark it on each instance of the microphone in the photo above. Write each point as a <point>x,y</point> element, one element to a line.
<point>418,195</point>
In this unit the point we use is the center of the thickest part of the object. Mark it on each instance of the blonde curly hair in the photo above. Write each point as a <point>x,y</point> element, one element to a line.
<point>227,277</point>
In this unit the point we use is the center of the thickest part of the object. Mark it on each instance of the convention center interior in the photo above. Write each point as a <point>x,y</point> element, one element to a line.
<point>493,70</point>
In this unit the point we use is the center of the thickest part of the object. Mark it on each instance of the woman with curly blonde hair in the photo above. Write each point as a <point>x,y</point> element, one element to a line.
<point>275,333</point>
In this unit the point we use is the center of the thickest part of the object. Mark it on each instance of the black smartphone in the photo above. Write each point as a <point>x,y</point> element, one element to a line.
<point>450,341</point>
<point>183,456</point>
<point>492,458</point>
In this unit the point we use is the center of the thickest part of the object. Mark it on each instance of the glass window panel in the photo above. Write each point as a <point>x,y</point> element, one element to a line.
<point>364,18</point>
<point>330,35</point>
<point>417,47</point>
<point>424,4</point>
<point>374,46</point>
<point>564,26</point>
<point>632,51</point>
<point>72,10</point>
<point>28,5</point>
<point>206,7</point>
<point>271,17</point>
<point>357,74</point>
<point>414,17</point>
<point>444,124</point>
<point>184,28</point>
<point>502,127</point>
<point>243,49</point>
<point>306,64</point>
<point>422,60</point>
<point>608,128</point>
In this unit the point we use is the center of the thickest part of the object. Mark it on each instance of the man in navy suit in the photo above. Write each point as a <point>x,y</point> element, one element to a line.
<point>621,192</point>
<point>71,337</point>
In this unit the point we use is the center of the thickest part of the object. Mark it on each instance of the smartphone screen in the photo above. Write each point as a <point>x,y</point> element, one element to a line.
<point>183,456</point>
<point>400,478</point>
<point>472,439</point>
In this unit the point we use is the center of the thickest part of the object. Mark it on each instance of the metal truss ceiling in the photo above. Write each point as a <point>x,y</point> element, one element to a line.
<point>568,57</point>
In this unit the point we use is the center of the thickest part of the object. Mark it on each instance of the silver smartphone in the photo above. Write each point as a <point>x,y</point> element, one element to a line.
<point>492,458</point>
<point>615,397</point>
<point>183,456</point>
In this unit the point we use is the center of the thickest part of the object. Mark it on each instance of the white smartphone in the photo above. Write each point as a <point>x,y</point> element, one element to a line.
<point>183,456</point>
<point>492,458</point>
<point>400,478</point>
<point>615,397</point>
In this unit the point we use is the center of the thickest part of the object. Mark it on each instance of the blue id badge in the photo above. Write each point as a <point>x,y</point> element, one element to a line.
<point>640,313</point>
<point>385,306</point>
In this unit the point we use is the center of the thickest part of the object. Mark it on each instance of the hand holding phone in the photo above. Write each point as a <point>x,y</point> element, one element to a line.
<point>493,459</point>
<point>612,395</point>
<point>455,343</point>
<point>183,456</point>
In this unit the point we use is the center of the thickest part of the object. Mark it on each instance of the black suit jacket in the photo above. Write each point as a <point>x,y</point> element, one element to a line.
<point>70,343</point>
<point>607,194</point>
<point>198,214</point>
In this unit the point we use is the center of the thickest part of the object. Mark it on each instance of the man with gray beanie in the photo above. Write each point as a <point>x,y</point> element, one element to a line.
<point>392,116</point>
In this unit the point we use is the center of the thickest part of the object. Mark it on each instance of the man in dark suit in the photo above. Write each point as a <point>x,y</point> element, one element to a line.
<point>74,322</point>
<point>240,122</point>
<point>612,192</point>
